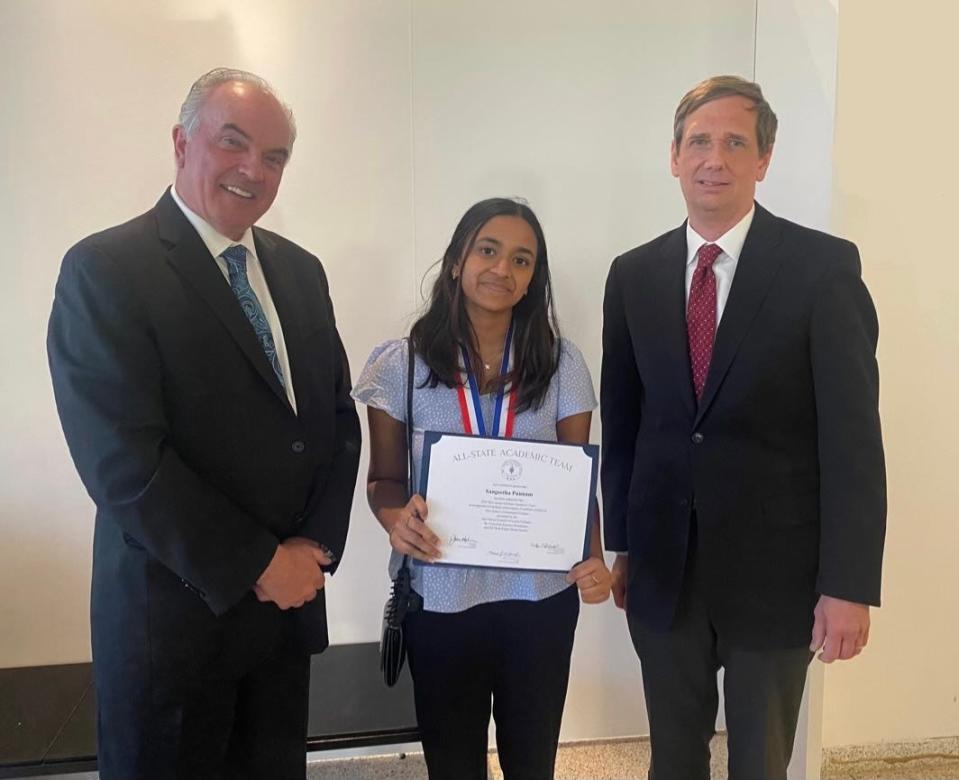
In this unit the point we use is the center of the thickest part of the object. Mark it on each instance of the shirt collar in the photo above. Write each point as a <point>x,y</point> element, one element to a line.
<point>731,242</point>
<point>215,241</point>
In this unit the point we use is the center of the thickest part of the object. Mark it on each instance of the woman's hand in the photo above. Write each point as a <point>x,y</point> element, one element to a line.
<point>410,535</point>
<point>592,578</point>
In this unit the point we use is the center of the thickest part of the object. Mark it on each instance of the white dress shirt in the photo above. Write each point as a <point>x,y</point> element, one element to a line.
<point>731,242</point>
<point>217,244</point>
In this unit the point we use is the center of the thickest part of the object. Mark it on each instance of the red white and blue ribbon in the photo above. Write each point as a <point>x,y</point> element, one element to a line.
<point>504,409</point>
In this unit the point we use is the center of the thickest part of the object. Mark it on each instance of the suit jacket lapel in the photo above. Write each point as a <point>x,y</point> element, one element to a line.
<point>673,312</point>
<point>191,259</point>
<point>755,271</point>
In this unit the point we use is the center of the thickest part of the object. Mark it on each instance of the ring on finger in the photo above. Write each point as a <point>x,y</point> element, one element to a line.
<point>595,581</point>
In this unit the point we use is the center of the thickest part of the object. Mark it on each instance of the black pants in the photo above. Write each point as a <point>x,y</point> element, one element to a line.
<point>508,657</point>
<point>226,701</point>
<point>763,692</point>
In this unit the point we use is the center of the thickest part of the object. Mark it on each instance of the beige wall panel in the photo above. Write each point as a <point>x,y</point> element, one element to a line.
<point>896,168</point>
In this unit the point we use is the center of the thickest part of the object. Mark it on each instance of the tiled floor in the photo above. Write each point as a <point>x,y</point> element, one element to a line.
<point>930,758</point>
<point>622,759</point>
<point>629,760</point>
<point>613,760</point>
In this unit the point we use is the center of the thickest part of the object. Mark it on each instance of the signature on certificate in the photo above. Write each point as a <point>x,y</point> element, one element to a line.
<point>548,547</point>
<point>464,542</point>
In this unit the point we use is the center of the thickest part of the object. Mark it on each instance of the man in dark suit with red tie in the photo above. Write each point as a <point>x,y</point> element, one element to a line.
<point>204,394</point>
<point>743,472</point>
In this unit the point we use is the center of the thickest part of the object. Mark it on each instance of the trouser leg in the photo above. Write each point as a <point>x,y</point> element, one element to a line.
<point>269,731</point>
<point>679,668</point>
<point>449,657</point>
<point>535,641</point>
<point>763,692</point>
<point>164,701</point>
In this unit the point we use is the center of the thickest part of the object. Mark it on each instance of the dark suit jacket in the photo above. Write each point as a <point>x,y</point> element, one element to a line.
<point>781,460</point>
<point>184,437</point>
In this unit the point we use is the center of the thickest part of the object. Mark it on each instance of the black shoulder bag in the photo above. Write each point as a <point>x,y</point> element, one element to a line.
<point>403,599</point>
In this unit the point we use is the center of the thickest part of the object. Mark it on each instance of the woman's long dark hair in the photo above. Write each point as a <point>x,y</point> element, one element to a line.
<point>445,325</point>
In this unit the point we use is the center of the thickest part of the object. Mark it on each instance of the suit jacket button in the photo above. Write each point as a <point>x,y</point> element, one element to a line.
<point>697,438</point>
<point>298,446</point>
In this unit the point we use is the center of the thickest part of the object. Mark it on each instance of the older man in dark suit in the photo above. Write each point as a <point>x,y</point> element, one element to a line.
<point>204,394</point>
<point>743,472</point>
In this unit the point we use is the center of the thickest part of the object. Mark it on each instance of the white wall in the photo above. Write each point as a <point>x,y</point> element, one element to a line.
<point>895,195</point>
<point>796,45</point>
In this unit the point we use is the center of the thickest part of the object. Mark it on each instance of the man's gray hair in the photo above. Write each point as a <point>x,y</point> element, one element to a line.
<point>203,86</point>
<point>728,86</point>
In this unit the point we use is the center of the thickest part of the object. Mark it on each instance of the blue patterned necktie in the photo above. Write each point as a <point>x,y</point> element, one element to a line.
<point>235,258</point>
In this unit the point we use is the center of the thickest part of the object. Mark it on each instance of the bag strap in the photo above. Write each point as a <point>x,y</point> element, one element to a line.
<point>409,413</point>
<point>410,366</point>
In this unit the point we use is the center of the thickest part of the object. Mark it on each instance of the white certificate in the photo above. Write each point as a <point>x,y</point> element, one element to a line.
<point>507,502</point>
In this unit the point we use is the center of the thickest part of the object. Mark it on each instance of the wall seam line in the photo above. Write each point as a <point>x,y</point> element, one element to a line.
<point>412,160</point>
<point>755,37</point>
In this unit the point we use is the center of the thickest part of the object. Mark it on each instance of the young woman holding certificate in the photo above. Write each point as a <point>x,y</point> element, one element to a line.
<point>489,362</point>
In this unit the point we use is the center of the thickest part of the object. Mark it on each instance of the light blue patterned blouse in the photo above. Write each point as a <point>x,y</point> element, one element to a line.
<point>382,385</point>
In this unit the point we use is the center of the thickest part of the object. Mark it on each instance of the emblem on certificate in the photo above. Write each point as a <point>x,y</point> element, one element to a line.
<point>508,502</point>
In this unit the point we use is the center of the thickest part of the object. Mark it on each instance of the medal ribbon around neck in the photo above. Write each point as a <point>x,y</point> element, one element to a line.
<point>469,398</point>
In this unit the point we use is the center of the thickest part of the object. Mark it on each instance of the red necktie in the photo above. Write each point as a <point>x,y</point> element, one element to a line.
<point>701,315</point>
